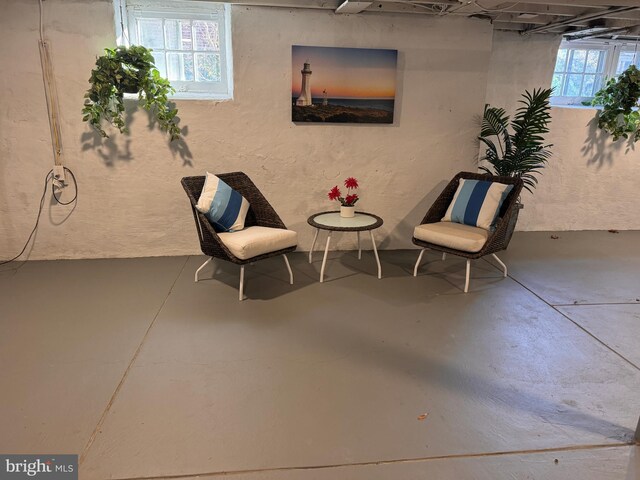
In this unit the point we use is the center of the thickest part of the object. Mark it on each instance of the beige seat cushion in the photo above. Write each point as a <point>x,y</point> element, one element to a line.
<point>253,241</point>
<point>452,235</point>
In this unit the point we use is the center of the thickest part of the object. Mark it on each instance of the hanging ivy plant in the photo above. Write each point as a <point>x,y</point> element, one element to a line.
<point>619,99</point>
<point>128,70</point>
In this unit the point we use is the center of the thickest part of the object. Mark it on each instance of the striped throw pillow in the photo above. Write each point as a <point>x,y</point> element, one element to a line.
<point>225,208</point>
<point>477,203</point>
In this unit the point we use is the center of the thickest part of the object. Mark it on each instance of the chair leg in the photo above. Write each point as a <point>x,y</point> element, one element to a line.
<point>466,282</point>
<point>444,256</point>
<point>415,269</point>
<point>202,266</point>
<point>504,267</point>
<point>286,260</point>
<point>241,292</point>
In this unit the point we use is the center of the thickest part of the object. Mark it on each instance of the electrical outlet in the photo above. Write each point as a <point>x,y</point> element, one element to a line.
<point>58,175</point>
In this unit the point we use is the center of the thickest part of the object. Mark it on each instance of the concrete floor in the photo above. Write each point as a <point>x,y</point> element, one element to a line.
<point>148,375</point>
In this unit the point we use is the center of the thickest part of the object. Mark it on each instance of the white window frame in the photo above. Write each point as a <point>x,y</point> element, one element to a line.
<point>612,50</point>
<point>626,47</point>
<point>127,12</point>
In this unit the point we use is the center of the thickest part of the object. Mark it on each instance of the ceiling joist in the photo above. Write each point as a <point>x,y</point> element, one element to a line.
<point>566,17</point>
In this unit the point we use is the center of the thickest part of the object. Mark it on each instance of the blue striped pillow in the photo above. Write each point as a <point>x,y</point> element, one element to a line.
<point>225,208</point>
<point>477,203</point>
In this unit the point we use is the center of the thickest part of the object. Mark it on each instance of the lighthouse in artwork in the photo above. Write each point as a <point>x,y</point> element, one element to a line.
<point>304,100</point>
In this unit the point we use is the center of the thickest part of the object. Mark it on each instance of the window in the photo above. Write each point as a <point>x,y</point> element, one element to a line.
<point>628,56</point>
<point>582,69</point>
<point>190,41</point>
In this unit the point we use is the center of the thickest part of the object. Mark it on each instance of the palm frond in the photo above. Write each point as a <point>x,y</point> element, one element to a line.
<point>522,153</point>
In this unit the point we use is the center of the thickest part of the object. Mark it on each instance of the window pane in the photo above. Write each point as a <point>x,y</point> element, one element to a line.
<point>150,30</point>
<point>180,66</point>
<point>597,85</point>
<point>561,60</point>
<point>577,61</point>
<point>161,63</point>
<point>207,67</point>
<point>178,34</point>
<point>587,85</point>
<point>573,85</point>
<point>556,83</point>
<point>206,34</point>
<point>188,43</point>
<point>626,59</point>
<point>593,61</point>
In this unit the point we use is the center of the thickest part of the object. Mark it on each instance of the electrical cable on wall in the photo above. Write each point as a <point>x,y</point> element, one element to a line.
<point>50,92</point>
<point>56,175</point>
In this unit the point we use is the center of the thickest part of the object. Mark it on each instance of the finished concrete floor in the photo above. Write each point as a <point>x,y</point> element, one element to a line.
<point>145,374</point>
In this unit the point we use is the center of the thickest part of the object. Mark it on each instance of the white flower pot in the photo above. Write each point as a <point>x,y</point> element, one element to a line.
<point>347,212</point>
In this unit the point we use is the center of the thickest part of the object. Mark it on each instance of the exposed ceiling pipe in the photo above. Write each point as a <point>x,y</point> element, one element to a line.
<point>350,6</point>
<point>602,32</point>
<point>579,18</point>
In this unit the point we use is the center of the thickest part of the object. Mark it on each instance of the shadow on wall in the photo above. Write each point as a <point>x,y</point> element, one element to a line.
<point>404,231</point>
<point>599,148</point>
<point>110,152</point>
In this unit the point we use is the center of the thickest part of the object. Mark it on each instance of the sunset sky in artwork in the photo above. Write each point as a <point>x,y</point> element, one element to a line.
<point>346,72</point>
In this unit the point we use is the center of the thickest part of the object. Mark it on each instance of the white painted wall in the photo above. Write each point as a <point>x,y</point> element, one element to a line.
<point>590,182</point>
<point>131,202</point>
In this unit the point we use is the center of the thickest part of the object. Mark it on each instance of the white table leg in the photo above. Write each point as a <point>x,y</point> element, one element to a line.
<point>359,249</point>
<point>313,245</point>
<point>375,252</point>
<point>324,259</point>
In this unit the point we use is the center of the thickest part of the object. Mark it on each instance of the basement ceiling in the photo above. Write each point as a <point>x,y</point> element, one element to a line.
<point>574,19</point>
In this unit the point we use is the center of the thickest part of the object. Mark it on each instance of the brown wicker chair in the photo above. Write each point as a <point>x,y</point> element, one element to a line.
<point>497,240</point>
<point>260,213</point>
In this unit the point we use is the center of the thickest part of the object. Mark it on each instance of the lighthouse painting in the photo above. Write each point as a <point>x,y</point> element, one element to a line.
<point>343,85</point>
<point>304,100</point>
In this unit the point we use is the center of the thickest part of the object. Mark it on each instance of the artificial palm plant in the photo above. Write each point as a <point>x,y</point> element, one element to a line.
<point>518,149</point>
<point>128,70</point>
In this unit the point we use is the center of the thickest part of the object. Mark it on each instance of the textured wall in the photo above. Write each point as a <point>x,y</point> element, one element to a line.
<point>590,182</point>
<point>131,202</point>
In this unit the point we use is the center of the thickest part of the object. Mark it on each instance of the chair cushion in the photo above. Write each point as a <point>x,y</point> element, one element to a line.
<point>477,203</point>
<point>224,207</point>
<point>452,235</point>
<point>254,241</point>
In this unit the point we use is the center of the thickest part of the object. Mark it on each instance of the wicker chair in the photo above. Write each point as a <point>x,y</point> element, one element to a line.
<point>496,241</point>
<point>260,213</point>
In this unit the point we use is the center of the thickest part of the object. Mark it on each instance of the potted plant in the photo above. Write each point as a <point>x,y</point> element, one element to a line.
<point>348,202</point>
<point>619,99</point>
<point>517,148</point>
<point>128,70</point>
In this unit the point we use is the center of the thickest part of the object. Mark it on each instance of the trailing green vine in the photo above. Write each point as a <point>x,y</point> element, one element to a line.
<point>128,70</point>
<point>619,99</point>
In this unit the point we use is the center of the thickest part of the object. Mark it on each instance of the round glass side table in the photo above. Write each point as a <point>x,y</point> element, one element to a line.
<point>333,222</point>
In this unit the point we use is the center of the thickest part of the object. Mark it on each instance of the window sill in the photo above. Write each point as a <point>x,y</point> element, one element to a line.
<point>582,107</point>
<point>188,96</point>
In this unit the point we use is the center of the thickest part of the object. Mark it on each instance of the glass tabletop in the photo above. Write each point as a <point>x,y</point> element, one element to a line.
<point>333,220</point>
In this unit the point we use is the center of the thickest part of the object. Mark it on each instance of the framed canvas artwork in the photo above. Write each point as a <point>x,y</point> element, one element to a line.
<point>343,85</point>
